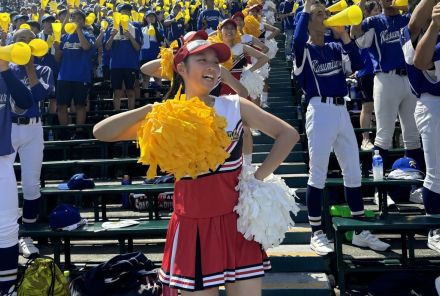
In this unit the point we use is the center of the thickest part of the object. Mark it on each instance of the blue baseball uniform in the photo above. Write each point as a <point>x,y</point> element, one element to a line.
<point>212,17</point>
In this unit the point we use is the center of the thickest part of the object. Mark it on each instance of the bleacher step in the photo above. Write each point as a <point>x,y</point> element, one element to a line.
<point>267,147</point>
<point>297,258</point>
<point>294,284</point>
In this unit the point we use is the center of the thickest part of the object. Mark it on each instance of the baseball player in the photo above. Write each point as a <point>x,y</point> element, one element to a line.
<point>27,137</point>
<point>320,69</point>
<point>15,97</point>
<point>391,92</point>
<point>422,56</point>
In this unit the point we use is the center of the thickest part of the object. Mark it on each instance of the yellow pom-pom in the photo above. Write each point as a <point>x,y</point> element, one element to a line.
<point>251,26</point>
<point>166,62</point>
<point>183,137</point>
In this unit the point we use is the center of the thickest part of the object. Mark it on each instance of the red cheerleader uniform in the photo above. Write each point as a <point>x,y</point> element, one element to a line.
<point>203,247</point>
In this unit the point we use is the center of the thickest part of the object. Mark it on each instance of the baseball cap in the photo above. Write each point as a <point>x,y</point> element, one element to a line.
<point>19,17</point>
<point>238,14</point>
<point>150,12</point>
<point>405,168</point>
<point>198,46</point>
<point>190,36</point>
<point>77,182</point>
<point>47,17</point>
<point>227,21</point>
<point>65,217</point>
<point>124,7</point>
<point>80,12</point>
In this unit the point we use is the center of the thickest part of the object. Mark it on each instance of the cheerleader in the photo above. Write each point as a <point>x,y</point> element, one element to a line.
<point>154,68</point>
<point>247,38</point>
<point>203,248</point>
<point>228,34</point>
<point>152,40</point>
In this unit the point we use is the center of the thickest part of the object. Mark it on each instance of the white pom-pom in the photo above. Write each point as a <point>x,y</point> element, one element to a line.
<point>253,83</point>
<point>273,48</point>
<point>264,71</point>
<point>264,208</point>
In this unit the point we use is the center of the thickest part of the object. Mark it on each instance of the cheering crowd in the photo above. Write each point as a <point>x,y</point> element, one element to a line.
<point>219,51</point>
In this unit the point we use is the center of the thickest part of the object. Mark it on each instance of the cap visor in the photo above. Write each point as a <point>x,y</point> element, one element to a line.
<point>222,51</point>
<point>63,186</point>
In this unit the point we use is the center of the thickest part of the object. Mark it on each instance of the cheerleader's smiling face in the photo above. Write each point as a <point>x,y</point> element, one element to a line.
<point>200,72</point>
<point>240,23</point>
<point>228,32</point>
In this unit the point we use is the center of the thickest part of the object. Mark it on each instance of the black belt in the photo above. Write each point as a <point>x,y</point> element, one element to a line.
<point>24,120</point>
<point>335,101</point>
<point>398,71</point>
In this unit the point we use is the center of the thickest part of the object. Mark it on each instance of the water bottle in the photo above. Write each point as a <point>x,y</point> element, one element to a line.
<point>377,166</point>
<point>126,196</point>
<point>50,135</point>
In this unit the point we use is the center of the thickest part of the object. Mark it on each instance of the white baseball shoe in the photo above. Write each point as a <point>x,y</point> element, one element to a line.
<point>320,243</point>
<point>27,248</point>
<point>366,239</point>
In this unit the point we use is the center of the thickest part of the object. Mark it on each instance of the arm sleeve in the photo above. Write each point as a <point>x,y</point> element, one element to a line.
<point>354,54</point>
<point>21,95</point>
<point>301,36</point>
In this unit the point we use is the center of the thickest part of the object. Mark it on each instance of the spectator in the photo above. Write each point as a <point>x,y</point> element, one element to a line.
<point>209,18</point>
<point>175,23</point>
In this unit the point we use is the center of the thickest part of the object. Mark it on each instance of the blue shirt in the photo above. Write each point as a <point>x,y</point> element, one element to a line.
<point>366,58</point>
<point>122,53</point>
<point>176,29</point>
<point>150,47</point>
<point>76,63</point>
<point>382,36</point>
<point>212,17</point>
<point>40,91</point>
<point>235,7</point>
<point>321,70</point>
<point>421,81</point>
<point>289,21</point>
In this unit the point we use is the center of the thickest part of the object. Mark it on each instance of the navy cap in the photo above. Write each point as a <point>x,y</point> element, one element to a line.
<point>150,12</point>
<point>20,17</point>
<point>406,164</point>
<point>48,17</point>
<point>77,182</point>
<point>65,217</point>
<point>124,7</point>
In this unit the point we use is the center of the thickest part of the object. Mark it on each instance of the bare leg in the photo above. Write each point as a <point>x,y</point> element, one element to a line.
<point>250,287</point>
<point>117,95</point>
<point>208,292</point>
<point>365,118</point>
<point>62,114</point>
<point>131,98</point>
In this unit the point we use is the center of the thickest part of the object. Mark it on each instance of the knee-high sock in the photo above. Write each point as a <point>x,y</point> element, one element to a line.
<point>314,204</point>
<point>353,196</point>
<point>431,200</point>
<point>30,210</point>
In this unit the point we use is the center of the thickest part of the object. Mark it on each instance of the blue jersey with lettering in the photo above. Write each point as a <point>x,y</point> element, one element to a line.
<point>122,53</point>
<point>382,37</point>
<point>176,29</point>
<point>14,98</point>
<point>40,91</point>
<point>321,70</point>
<point>76,63</point>
<point>212,17</point>
<point>421,81</point>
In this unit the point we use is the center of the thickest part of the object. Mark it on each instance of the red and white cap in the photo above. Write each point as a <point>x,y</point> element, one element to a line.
<point>256,6</point>
<point>238,14</point>
<point>190,36</point>
<point>198,46</point>
<point>227,21</point>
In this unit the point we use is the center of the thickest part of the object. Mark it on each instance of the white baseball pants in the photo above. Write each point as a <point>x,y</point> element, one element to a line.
<point>28,142</point>
<point>328,127</point>
<point>392,96</point>
<point>427,116</point>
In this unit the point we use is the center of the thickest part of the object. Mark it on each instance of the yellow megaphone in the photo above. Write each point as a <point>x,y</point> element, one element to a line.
<point>104,25</point>
<point>18,53</point>
<point>77,3</point>
<point>151,31</point>
<point>101,2</point>
<point>90,19</point>
<point>25,26</point>
<point>295,7</point>
<point>124,22</point>
<point>70,28</point>
<point>135,16</point>
<point>351,16</point>
<point>44,3</point>
<point>109,6</point>
<point>116,20</point>
<point>5,19</point>
<point>38,47</point>
<point>338,6</point>
<point>56,28</point>
<point>49,41</point>
<point>400,3</point>
<point>71,3</point>
<point>53,6</point>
